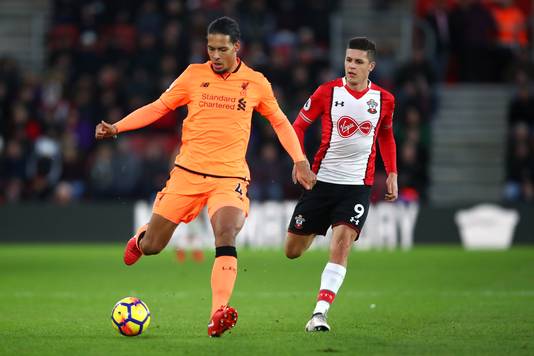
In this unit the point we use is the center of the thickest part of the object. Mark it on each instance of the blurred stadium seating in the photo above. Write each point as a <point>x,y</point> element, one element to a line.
<point>102,59</point>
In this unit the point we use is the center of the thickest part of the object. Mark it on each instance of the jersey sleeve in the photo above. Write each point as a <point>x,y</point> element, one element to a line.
<point>315,106</point>
<point>386,140</point>
<point>312,109</point>
<point>178,93</point>
<point>268,104</point>
<point>142,117</point>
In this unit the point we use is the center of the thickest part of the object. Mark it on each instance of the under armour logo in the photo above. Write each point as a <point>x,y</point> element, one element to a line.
<point>205,85</point>
<point>341,103</point>
<point>354,220</point>
<point>242,104</point>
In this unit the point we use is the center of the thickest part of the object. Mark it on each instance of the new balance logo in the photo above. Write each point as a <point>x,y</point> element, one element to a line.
<point>205,85</point>
<point>341,103</point>
<point>242,104</point>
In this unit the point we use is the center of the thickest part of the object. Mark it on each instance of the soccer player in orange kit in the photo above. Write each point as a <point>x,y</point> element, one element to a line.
<point>211,169</point>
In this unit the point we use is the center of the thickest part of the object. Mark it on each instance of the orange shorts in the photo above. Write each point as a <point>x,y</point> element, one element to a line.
<point>186,193</point>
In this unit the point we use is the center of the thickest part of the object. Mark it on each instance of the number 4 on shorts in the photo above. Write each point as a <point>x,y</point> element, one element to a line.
<point>238,189</point>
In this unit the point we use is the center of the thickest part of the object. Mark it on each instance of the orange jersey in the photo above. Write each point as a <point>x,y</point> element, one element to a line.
<point>216,131</point>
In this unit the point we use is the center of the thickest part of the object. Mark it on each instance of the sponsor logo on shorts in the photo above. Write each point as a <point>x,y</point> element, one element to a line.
<point>354,220</point>
<point>299,220</point>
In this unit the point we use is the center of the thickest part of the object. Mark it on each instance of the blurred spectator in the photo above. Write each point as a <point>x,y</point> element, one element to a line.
<point>417,70</point>
<point>511,34</point>
<point>414,86</point>
<point>438,18</point>
<point>73,168</point>
<point>413,177</point>
<point>520,156</point>
<point>14,162</point>
<point>386,66</point>
<point>511,24</point>
<point>473,32</point>
<point>101,172</point>
<point>126,170</point>
<point>415,105</point>
<point>257,21</point>
<point>520,165</point>
<point>156,166</point>
<point>44,167</point>
<point>149,20</point>
<point>63,193</point>
<point>521,108</point>
<point>267,181</point>
<point>523,69</point>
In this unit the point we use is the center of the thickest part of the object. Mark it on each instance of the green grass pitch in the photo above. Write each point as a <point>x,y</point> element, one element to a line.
<point>57,299</point>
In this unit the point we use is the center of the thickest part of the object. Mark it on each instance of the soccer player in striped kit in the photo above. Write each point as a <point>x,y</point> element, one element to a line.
<point>355,114</point>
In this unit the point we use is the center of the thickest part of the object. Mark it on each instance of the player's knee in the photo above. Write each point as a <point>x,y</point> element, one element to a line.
<point>293,252</point>
<point>345,244</point>
<point>342,248</point>
<point>226,236</point>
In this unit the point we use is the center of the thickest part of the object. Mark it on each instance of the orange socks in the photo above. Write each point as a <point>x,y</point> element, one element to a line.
<point>223,277</point>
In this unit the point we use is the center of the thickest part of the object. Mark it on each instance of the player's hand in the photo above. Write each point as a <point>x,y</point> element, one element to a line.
<point>105,130</point>
<point>303,174</point>
<point>392,190</point>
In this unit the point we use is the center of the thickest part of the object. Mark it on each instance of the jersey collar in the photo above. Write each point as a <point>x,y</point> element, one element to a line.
<point>226,75</point>
<point>355,93</point>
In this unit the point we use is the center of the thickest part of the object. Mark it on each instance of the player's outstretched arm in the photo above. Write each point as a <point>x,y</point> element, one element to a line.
<point>141,117</point>
<point>104,130</point>
<point>392,190</point>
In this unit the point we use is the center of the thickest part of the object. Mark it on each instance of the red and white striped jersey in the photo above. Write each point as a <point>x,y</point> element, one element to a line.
<point>352,122</point>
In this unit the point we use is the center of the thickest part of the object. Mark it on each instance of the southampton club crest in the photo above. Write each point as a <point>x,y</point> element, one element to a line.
<point>372,106</point>
<point>299,220</point>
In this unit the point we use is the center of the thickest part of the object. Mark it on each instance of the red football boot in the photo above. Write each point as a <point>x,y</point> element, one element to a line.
<point>223,319</point>
<point>132,252</point>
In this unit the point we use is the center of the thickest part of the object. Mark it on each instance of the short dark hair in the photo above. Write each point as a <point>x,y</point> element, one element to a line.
<point>226,26</point>
<point>364,44</point>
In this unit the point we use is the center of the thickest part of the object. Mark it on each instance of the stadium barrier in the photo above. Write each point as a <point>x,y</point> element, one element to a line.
<point>88,222</point>
<point>388,226</point>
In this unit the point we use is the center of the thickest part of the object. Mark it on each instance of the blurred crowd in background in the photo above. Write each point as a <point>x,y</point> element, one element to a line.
<point>490,41</point>
<point>107,58</point>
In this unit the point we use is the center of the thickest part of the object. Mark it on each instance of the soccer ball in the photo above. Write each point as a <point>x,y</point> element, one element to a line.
<point>130,316</point>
